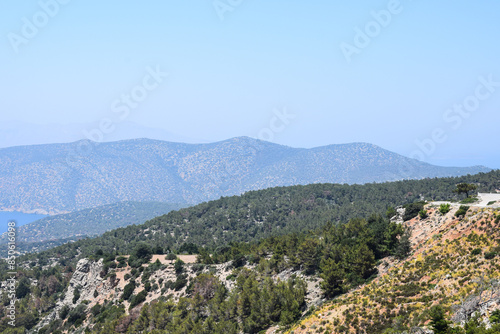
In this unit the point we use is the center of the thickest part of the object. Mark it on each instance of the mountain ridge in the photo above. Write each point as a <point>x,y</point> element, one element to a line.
<point>59,178</point>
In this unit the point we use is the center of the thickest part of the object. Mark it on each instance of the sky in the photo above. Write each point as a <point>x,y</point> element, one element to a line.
<point>419,78</point>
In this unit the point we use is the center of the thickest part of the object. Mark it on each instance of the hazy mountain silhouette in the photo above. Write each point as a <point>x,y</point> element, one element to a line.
<point>66,177</point>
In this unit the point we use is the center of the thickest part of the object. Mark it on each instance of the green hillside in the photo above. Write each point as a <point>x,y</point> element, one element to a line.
<point>263,256</point>
<point>55,230</point>
<point>276,211</point>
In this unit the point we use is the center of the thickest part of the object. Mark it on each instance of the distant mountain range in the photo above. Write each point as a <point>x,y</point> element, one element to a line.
<point>58,178</point>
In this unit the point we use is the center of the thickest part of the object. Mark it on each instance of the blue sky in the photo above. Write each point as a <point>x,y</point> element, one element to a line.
<point>234,65</point>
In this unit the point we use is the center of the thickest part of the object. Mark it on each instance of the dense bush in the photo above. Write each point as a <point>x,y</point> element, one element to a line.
<point>189,248</point>
<point>137,299</point>
<point>143,251</point>
<point>462,210</point>
<point>490,255</point>
<point>23,287</point>
<point>128,290</point>
<point>171,257</point>
<point>76,294</point>
<point>63,313</point>
<point>180,282</point>
<point>77,315</point>
<point>476,251</point>
<point>412,210</point>
<point>179,266</point>
<point>444,208</point>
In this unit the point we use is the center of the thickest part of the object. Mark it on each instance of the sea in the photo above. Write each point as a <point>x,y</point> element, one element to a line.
<point>19,217</point>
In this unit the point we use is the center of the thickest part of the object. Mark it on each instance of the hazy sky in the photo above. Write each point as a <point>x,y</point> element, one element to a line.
<point>421,78</point>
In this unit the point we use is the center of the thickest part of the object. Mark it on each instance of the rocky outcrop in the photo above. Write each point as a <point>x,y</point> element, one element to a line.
<point>86,279</point>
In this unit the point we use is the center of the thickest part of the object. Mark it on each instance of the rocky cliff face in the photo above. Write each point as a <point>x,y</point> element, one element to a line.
<point>86,279</point>
<point>91,288</point>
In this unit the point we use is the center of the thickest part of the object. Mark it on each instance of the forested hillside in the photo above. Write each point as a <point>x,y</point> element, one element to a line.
<point>55,230</point>
<point>262,257</point>
<point>276,211</point>
<point>62,178</point>
<point>242,287</point>
<point>368,283</point>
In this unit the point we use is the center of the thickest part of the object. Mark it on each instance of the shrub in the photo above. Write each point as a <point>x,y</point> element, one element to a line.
<point>461,211</point>
<point>412,210</point>
<point>444,208</point>
<point>171,257</point>
<point>158,250</point>
<point>63,313</point>
<point>476,251</point>
<point>469,200</point>
<point>76,295</point>
<point>391,212</point>
<point>198,267</point>
<point>180,282</point>
<point>495,317</point>
<point>188,248</point>
<point>137,299</point>
<point>128,290</point>
<point>231,277</point>
<point>122,263</point>
<point>135,262</point>
<point>143,251</point>
<point>169,284</point>
<point>489,255</point>
<point>23,288</point>
<point>423,214</point>
<point>77,315</point>
<point>179,266</point>
<point>96,309</point>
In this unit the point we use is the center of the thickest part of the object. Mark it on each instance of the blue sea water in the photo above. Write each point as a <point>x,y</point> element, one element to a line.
<point>20,218</point>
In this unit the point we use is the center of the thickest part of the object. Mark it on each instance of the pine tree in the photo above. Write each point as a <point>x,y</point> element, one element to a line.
<point>333,278</point>
<point>438,322</point>
<point>403,248</point>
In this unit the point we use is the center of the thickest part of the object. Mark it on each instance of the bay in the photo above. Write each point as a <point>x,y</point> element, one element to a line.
<point>20,218</point>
